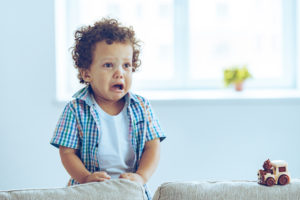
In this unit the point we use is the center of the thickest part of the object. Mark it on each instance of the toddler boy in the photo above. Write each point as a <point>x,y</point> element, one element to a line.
<point>107,131</point>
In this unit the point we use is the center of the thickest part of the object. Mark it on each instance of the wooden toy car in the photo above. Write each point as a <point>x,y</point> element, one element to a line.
<point>274,172</point>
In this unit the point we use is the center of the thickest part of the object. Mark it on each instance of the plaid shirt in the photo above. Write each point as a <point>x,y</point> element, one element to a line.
<point>78,125</point>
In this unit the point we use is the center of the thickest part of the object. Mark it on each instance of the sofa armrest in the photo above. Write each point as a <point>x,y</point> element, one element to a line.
<point>227,190</point>
<point>110,189</point>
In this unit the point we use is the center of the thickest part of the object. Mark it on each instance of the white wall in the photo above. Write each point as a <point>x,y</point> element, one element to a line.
<point>206,139</point>
<point>217,140</point>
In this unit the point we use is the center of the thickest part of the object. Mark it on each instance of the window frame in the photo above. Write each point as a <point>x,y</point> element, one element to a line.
<point>181,58</point>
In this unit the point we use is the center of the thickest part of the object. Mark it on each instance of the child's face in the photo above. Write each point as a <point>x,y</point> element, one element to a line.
<point>110,74</point>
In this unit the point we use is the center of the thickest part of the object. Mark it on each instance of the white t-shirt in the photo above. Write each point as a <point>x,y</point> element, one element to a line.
<point>115,152</point>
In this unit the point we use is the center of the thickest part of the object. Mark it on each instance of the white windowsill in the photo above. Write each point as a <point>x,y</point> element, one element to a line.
<point>223,95</point>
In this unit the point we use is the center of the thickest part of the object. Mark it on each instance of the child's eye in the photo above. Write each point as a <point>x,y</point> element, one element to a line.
<point>108,65</point>
<point>127,65</point>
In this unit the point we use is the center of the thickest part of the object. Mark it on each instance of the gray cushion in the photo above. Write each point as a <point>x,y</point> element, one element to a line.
<point>112,189</point>
<point>227,190</point>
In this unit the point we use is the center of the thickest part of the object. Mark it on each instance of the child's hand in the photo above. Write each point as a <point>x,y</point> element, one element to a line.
<point>133,177</point>
<point>97,177</point>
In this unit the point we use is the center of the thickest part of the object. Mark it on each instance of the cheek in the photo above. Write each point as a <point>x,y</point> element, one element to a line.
<point>104,78</point>
<point>129,80</point>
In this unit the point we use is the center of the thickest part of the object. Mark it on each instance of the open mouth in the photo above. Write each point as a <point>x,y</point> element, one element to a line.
<point>118,86</point>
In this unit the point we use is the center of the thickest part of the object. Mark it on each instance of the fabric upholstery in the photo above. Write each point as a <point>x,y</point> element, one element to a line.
<point>107,190</point>
<point>227,190</point>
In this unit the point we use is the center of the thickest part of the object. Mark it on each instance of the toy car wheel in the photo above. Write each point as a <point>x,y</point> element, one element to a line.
<point>283,179</point>
<point>270,181</point>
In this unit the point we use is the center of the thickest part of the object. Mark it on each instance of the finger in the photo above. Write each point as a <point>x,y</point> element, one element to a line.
<point>103,175</point>
<point>124,175</point>
<point>106,176</point>
<point>102,179</point>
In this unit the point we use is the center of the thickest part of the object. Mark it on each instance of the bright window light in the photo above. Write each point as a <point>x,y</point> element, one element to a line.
<point>232,32</point>
<point>187,44</point>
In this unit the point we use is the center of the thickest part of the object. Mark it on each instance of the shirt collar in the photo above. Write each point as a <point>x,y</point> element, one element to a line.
<point>86,92</point>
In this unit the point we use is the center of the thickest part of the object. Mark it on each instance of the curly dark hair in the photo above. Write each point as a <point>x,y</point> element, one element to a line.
<point>109,30</point>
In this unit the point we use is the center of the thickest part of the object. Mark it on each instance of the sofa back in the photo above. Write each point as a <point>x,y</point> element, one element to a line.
<point>227,190</point>
<point>112,189</point>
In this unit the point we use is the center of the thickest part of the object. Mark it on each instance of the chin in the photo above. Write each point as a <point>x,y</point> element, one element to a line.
<point>118,97</point>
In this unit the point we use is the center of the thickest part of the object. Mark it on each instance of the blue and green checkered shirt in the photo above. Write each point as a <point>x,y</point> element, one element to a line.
<point>78,125</point>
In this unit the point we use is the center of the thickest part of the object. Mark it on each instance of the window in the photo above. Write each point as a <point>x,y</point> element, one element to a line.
<point>252,32</point>
<point>187,44</point>
<point>282,169</point>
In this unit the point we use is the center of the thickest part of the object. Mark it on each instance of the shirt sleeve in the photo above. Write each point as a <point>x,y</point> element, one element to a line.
<point>153,128</point>
<point>66,131</point>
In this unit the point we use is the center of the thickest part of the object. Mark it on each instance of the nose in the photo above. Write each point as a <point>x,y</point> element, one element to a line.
<point>119,72</point>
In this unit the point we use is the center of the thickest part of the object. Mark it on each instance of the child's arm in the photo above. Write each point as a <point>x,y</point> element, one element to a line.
<point>148,163</point>
<point>76,168</point>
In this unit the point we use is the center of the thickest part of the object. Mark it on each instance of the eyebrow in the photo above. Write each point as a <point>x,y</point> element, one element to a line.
<point>114,58</point>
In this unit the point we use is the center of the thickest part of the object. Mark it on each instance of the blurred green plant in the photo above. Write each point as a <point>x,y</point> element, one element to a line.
<point>236,75</point>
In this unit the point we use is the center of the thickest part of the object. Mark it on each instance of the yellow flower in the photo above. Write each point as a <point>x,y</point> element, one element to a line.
<point>236,74</point>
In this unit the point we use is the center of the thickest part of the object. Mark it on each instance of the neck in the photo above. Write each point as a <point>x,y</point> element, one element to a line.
<point>112,108</point>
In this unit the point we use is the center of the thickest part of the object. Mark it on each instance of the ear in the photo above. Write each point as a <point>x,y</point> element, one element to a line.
<point>85,74</point>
